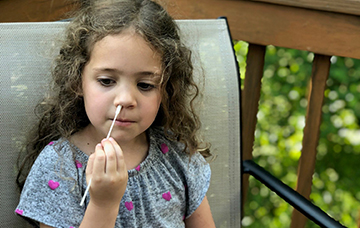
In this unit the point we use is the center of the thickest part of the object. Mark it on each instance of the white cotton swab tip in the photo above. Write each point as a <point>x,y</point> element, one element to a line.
<point>117,111</point>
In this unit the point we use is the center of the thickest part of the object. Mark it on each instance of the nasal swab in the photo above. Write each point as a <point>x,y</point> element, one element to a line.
<point>118,109</point>
<point>86,191</point>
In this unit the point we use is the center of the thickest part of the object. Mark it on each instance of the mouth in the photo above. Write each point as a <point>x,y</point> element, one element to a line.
<point>123,122</point>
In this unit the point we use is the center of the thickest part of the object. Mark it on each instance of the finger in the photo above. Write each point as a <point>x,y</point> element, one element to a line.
<point>119,155</point>
<point>90,165</point>
<point>111,160</point>
<point>99,161</point>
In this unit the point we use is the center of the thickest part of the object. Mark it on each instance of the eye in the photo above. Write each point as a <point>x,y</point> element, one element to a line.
<point>106,81</point>
<point>145,86</point>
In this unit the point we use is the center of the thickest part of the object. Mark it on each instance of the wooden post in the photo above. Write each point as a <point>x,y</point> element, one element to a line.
<point>306,168</point>
<point>249,103</point>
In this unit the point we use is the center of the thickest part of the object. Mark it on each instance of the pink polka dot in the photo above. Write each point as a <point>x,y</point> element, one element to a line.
<point>164,148</point>
<point>51,143</point>
<point>78,164</point>
<point>53,184</point>
<point>129,205</point>
<point>167,196</point>
<point>138,168</point>
<point>18,211</point>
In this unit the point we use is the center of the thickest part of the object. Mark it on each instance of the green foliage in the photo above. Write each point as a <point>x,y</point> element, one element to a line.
<point>279,133</point>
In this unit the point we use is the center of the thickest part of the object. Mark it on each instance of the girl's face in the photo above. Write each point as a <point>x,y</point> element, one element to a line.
<point>122,70</point>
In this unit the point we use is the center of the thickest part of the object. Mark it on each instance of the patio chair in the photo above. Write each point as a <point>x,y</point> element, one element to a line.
<point>26,51</point>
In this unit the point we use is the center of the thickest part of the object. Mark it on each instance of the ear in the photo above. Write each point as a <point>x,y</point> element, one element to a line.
<point>79,89</point>
<point>80,92</point>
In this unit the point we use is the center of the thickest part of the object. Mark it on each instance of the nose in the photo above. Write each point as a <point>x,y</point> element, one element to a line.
<point>126,97</point>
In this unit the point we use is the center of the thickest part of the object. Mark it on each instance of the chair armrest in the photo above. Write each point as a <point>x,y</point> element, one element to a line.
<point>291,196</point>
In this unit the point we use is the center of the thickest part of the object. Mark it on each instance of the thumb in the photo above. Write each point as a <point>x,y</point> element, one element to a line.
<point>89,167</point>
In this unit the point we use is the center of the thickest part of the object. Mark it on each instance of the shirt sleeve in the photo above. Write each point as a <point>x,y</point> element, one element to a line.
<point>51,194</point>
<point>198,182</point>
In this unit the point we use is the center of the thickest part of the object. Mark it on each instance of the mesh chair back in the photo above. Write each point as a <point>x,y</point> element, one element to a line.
<point>26,53</point>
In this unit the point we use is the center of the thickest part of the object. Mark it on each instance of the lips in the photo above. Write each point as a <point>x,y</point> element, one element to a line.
<point>121,119</point>
<point>123,122</point>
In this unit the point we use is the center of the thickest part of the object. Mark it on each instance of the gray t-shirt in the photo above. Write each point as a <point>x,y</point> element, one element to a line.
<point>162,191</point>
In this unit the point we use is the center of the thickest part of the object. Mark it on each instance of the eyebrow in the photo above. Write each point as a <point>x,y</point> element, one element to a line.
<point>140,73</point>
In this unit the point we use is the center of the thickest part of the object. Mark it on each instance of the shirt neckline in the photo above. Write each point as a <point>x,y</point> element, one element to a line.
<point>142,167</point>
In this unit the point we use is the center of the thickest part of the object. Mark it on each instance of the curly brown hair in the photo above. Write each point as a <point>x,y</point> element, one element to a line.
<point>62,112</point>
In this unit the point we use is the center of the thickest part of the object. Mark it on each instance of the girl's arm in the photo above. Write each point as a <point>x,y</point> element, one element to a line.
<point>106,167</point>
<point>96,217</point>
<point>201,217</point>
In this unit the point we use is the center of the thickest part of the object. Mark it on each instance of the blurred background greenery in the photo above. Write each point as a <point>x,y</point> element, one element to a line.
<point>279,132</point>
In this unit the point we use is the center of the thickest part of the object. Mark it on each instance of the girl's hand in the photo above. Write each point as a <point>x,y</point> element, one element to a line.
<point>107,170</point>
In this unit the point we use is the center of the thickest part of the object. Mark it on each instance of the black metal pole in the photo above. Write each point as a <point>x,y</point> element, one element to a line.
<point>291,196</point>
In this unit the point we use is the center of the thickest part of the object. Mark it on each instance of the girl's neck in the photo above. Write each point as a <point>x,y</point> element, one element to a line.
<point>134,151</point>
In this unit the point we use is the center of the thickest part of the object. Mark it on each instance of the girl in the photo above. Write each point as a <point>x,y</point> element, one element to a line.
<point>148,174</point>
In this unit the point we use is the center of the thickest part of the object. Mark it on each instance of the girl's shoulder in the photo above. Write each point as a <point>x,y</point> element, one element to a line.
<point>174,153</point>
<point>54,183</point>
<point>55,149</point>
<point>164,146</point>
<point>193,172</point>
<point>159,135</point>
<point>60,155</point>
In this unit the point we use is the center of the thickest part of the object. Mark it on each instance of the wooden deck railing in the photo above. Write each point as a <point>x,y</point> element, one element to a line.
<point>325,27</point>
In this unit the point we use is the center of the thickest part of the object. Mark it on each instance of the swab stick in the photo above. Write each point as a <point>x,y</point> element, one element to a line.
<point>86,191</point>
<point>118,109</point>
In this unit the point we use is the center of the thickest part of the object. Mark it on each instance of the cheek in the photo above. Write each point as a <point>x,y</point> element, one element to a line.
<point>94,107</point>
<point>159,99</point>
<point>92,110</point>
<point>152,107</point>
